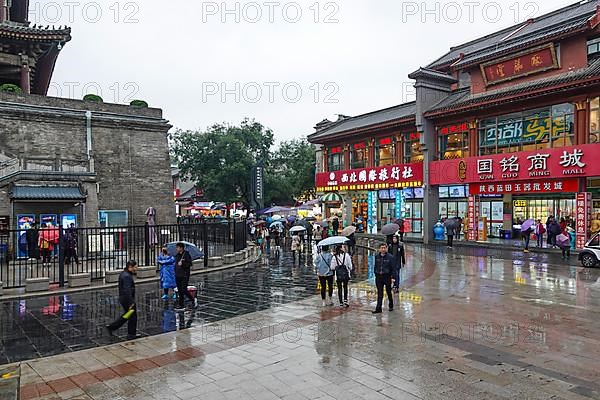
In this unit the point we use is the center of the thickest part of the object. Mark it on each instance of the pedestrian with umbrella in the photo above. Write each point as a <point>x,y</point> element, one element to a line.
<point>325,274</point>
<point>396,249</point>
<point>400,223</point>
<point>335,226</point>
<point>450,225</point>
<point>527,228</point>
<point>390,229</point>
<point>349,233</point>
<point>342,263</point>
<point>563,241</point>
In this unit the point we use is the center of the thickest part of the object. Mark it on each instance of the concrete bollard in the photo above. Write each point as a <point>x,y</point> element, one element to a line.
<point>146,272</point>
<point>37,285</point>
<point>80,280</point>
<point>239,256</point>
<point>111,276</point>
<point>229,258</point>
<point>197,265</point>
<point>215,262</point>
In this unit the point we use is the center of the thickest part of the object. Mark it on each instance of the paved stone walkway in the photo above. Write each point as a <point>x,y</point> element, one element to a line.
<point>465,328</point>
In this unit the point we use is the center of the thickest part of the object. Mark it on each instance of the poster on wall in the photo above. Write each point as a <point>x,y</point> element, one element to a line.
<point>24,222</point>
<point>372,213</point>
<point>473,217</point>
<point>400,202</point>
<point>67,219</point>
<point>49,219</point>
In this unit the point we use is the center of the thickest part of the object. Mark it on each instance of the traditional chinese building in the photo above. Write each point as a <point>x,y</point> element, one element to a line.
<point>65,160</point>
<point>508,127</point>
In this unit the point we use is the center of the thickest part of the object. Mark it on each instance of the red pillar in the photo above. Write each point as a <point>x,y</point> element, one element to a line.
<point>399,150</point>
<point>346,157</point>
<point>473,139</point>
<point>582,125</point>
<point>371,153</point>
<point>325,159</point>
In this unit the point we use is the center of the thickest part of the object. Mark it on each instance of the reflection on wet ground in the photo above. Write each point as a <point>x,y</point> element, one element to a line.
<point>57,324</point>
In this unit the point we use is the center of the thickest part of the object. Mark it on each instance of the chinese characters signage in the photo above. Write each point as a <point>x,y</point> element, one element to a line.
<point>472,218</point>
<point>395,176</point>
<point>530,130</point>
<point>372,212</point>
<point>547,186</point>
<point>558,163</point>
<point>583,218</point>
<point>523,64</point>
<point>458,128</point>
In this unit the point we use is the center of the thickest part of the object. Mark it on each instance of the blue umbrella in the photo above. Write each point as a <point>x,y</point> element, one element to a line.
<point>191,248</point>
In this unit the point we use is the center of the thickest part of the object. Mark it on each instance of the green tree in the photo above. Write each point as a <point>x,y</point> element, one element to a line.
<point>220,159</point>
<point>291,173</point>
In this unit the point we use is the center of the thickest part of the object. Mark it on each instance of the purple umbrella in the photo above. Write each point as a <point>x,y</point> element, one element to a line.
<point>529,224</point>
<point>563,240</point>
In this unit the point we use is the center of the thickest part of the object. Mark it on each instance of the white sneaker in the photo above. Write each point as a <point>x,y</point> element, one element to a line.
<point>324,304</point>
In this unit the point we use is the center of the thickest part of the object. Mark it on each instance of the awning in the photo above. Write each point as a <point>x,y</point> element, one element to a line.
<point>331,198</point>
<point>47,193</point>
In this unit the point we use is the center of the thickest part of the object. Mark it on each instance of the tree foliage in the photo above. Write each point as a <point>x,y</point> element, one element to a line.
<point>220,160</point>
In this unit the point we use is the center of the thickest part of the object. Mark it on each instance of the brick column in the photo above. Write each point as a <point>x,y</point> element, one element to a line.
<point>25,74</point>
<point>582,124</point>
<point>473,139</point>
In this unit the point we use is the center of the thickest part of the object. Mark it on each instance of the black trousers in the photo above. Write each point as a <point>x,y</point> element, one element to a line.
<point>342,285</point>
<point>450,240</point>
<point>381,281</point>
<point>326,286</point>
<point>182,289</point>
<point>131,322</point>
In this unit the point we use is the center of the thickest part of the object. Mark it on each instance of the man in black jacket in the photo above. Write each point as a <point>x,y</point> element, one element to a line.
<point>183,268</point>
<point>385,265</point>
<point>127,300</point>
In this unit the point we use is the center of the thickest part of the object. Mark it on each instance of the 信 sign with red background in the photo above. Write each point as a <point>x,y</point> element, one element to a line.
<point>541,165</point>
<point>403,175</point>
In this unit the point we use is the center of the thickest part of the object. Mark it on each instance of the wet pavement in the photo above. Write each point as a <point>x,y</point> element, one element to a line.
<point>466,326</point>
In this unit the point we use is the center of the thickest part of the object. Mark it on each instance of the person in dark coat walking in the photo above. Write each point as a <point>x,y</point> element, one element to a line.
<point>32,235</point>
<point>335,226</point>
<point>127,300</point>
<point>553,231</point>
<point>309,234</point>
<point>183,268</point>
<point>396,249</point>
<point>384,268</point>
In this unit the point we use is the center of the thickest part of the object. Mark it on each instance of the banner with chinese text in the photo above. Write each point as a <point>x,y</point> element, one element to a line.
<point>544,186</point>
<point>560,163</point>
<point>472,218</point>
<point>583,218</point>
<point>395,176</point>
<point>523,64</point>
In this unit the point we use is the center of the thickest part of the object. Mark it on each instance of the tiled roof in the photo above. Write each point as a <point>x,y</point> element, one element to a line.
<point>22,31</point>
<point>463,99</point>
<point>564,20</point>
<point>47,193</point>
<point>364,121</point>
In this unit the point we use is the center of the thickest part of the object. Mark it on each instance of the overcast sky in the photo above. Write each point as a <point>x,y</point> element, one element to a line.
<point>286,64</point>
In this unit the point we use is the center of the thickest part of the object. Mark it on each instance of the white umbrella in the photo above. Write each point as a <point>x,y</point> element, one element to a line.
<point>332,241</point>
<point>297,229</point>
<point>276,217</point>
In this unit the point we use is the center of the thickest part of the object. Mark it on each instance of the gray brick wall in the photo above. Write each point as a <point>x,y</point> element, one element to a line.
<point>129,148</point>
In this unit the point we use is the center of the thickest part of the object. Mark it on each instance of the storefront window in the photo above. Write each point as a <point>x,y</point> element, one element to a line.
<point>530,130</point>
<point>335,159</point>
<point>385,152</point>
<point>358,155</point>
<point>412,148</point>
<point>595,120</point>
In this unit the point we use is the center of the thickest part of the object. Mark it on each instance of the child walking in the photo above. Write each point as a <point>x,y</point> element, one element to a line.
<point>167,273</point>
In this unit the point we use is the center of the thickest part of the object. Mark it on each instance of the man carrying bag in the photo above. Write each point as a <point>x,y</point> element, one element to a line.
<point>127,300</point>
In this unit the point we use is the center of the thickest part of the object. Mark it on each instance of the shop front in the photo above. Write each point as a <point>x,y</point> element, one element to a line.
<point>512,188</point>
<point>378,195</point>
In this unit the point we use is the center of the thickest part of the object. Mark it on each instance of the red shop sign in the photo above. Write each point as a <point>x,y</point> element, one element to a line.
<point>526,63</point>
<point>560,163</point>
<point>544,186</point>
<point>403,175</point>
<point>458,128</point>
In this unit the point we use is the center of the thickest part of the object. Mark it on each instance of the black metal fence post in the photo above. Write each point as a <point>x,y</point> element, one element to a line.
<point>147,244</point>
<point>61,257</point>
<point>205,237</point>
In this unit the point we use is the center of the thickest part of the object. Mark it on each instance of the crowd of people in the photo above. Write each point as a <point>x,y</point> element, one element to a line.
<point>557,234</point>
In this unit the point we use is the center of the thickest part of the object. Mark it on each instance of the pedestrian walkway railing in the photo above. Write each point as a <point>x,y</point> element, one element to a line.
<point>96,250</point>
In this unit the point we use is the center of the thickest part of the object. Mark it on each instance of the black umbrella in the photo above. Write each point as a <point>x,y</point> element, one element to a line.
<point>390,229</point>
